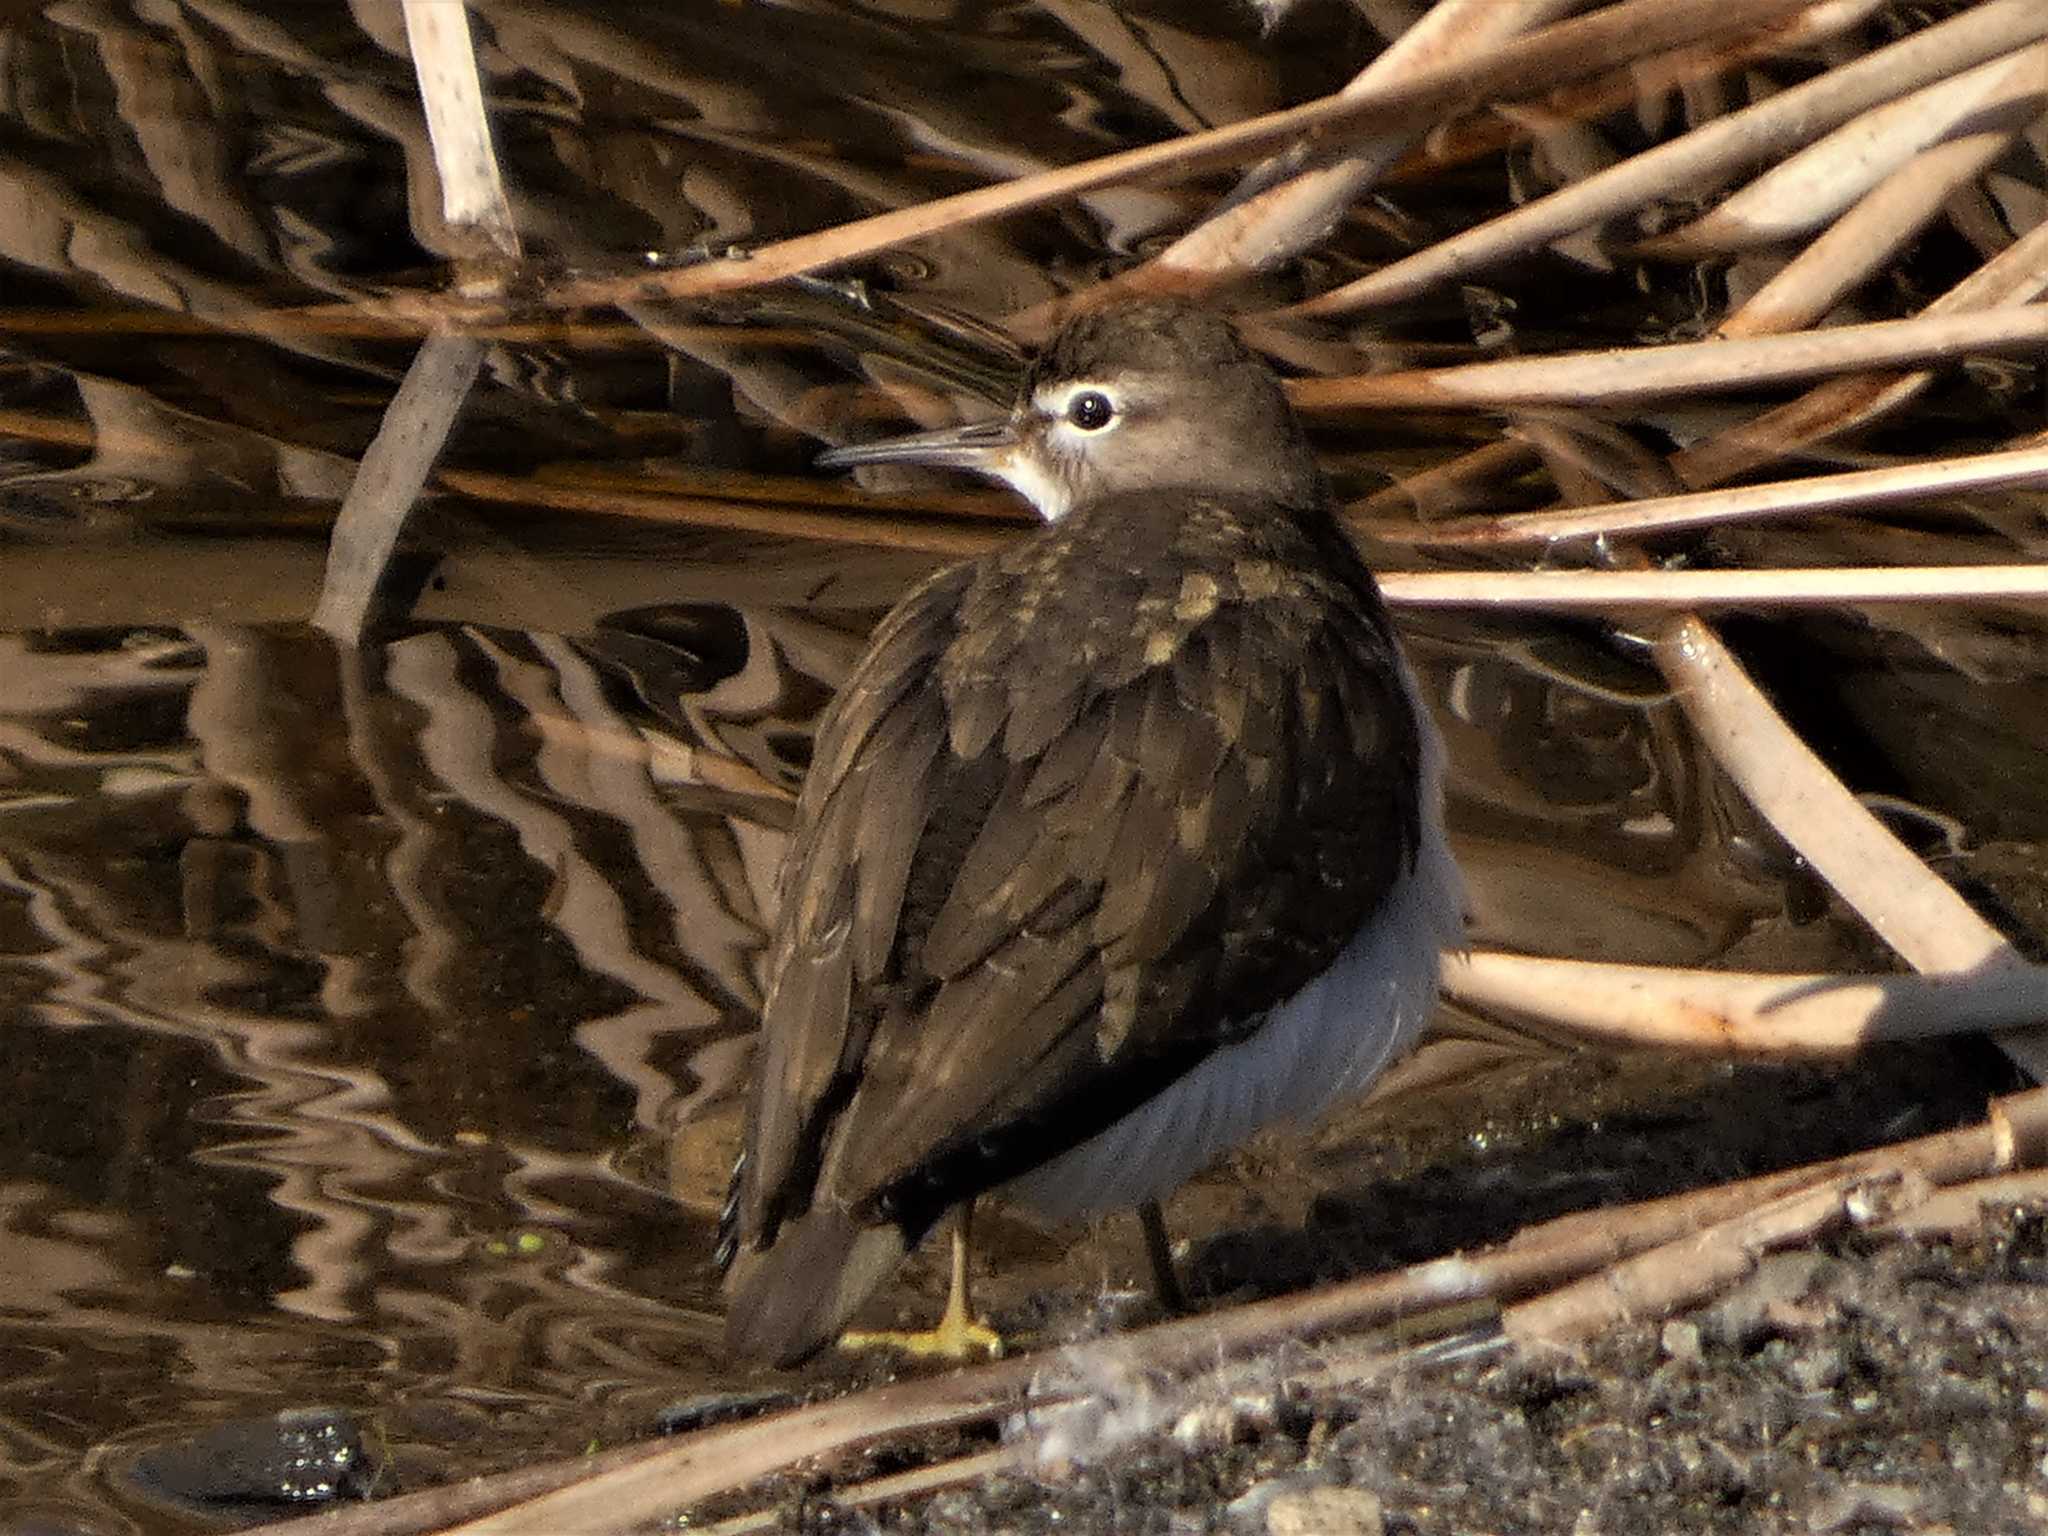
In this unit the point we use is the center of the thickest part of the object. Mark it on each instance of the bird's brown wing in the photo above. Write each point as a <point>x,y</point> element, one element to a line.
<point>860,819</point>
<point>1010,920</point>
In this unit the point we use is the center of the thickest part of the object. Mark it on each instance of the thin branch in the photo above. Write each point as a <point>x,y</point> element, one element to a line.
<point>1962,1207</point>
<point>1489,133</point>
<point>1618,374</point>
<point>1683,1272</point>
<point>2016,276</point>
<point>1858,245</point>
<point>420,416</point>
<point>875,530</point>
<point>650,1482</point>
<point>1452,486</point>
<point>950,1473</point>
<point>1284,219</point>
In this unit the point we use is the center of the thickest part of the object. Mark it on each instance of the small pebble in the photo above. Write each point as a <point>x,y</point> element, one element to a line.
<point>1247,1512</point>
<point>1326,1512</point>
<point>1681,1340</point>
<point>300,1456</point>
<point>1883,1505</point>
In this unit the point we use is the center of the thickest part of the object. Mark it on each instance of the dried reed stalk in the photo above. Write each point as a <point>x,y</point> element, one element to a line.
<point>1708,155</point>
<point>1929,481</point>
<point>1735,1013</point>
<point>444,62</point>
<point>1460,143</point>
<point>1858,245</point>
<point>1823,181</point>
<point>2016,276</point>
<point>1541,59</point>
<point>936,536</point>
<point>420,416</point>
<point>1269,226</point>
<point>1619,374</point>
<point>1639,590</point>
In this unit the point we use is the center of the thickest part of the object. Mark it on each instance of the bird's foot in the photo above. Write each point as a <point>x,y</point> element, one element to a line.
<point>958,1338</point>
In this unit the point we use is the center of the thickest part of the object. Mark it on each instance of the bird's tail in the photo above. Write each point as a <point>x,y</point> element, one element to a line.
<point>789,1300</point>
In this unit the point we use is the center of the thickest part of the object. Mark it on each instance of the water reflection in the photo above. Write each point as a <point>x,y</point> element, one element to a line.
<point>339,982</point>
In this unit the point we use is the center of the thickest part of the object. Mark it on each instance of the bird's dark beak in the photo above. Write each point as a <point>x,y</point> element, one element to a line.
<point>981,446</point>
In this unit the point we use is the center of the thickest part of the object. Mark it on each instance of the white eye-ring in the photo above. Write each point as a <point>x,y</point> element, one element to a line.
<point>1081,406</point>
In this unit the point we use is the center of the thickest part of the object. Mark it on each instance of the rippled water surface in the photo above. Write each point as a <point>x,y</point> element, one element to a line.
<point>372,1020</point>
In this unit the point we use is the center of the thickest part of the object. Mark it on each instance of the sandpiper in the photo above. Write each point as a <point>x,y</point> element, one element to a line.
<point>1119,844</point>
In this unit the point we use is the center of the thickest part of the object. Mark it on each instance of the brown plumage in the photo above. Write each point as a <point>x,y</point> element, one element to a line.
<point>1085,812</point>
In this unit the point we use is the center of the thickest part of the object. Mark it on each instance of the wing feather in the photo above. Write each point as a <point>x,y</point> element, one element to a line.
<point>842,890</point>
<point>1034,845</point>
<point>887,803</point>
<point>928,1081</point>
<point>1064,760</point>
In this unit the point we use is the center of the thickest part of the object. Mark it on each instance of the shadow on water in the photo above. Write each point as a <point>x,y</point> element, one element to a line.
<point>375,1020</point>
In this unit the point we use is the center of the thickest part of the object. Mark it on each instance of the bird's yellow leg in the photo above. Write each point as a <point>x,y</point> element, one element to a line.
<point>960,1335</point>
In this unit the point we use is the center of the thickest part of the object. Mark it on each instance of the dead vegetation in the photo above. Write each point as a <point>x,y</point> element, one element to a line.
<point>1808,168</point>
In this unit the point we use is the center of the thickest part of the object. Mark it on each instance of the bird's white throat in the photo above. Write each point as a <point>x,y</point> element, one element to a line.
<point>1022,472</point>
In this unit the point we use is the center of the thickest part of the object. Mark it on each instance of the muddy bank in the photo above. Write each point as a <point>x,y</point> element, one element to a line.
<point>1855,1384</point>
<point>1850,1389</point>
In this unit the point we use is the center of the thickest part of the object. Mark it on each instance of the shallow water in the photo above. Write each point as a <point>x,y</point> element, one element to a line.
<point>374,1020</point>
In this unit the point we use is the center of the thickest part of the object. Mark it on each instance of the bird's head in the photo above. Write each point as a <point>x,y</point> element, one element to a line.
<point>1134,397</point>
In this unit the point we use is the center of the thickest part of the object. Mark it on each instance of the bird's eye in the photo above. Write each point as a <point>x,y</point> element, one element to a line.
<point>1090,410</point>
